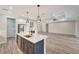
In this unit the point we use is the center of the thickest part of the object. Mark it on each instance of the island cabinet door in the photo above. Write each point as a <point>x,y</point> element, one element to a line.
<point>17,37</point>
<point>18,41</point>
<point>21,44</point>
<point>30,48</point>
<point>25,48</point>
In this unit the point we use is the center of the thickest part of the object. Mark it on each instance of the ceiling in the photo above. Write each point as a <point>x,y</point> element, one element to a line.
<point>46,11</point>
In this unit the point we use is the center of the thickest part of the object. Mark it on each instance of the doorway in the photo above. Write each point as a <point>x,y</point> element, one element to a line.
<point>47,28</point>
<point>11,27</point>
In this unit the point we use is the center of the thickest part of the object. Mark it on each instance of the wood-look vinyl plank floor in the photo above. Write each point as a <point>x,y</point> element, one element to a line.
<point>55,44</point>
<point>61,44</point>
<point>9,47</point>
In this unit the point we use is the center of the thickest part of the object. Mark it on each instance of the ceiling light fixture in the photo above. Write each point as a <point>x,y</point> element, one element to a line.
<point>38,17</point>
<point>27,20</point>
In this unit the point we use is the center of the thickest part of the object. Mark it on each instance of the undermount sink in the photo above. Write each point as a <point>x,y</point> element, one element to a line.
<point>28,36</point>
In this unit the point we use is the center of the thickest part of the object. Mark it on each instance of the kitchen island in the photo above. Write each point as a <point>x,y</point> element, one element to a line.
<point>35,44</point>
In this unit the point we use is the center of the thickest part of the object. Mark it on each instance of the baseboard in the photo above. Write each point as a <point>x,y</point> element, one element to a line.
<point>77,36</point>
<point>10,37</point>
<point>72,35</point>
<point>65,34</point>
<point>3,42</point>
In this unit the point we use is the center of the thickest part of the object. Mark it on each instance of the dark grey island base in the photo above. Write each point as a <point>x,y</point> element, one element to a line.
<point>28,47</point>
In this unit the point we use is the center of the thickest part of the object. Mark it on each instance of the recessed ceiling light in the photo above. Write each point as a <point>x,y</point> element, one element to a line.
<point>10,7</point>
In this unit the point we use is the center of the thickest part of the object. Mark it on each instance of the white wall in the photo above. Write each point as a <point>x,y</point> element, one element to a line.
<point>39,27</point>
<point>77,28</point>
<point>62,28</point>
<point>43,27</point>
<point>3,29</point>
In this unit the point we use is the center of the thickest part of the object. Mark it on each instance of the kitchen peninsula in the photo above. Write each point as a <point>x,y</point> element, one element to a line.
<point>33,45</point>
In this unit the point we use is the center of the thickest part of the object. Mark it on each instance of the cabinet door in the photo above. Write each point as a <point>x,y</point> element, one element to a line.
<point>25,43</point>
<point>30,48</point>
<point>18,41</point>
<point>21,44</point>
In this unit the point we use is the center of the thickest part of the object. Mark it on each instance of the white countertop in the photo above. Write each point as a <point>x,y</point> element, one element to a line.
<point>34,39</point>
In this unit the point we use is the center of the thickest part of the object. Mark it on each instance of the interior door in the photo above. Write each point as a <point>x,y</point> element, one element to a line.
<point>11,27</point>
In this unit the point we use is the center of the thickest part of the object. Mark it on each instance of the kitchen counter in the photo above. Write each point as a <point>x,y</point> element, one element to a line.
<point>35,38</point>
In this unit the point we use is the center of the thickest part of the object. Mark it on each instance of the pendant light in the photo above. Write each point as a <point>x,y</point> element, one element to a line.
<point>38,17</point>
<point>27,20</point>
